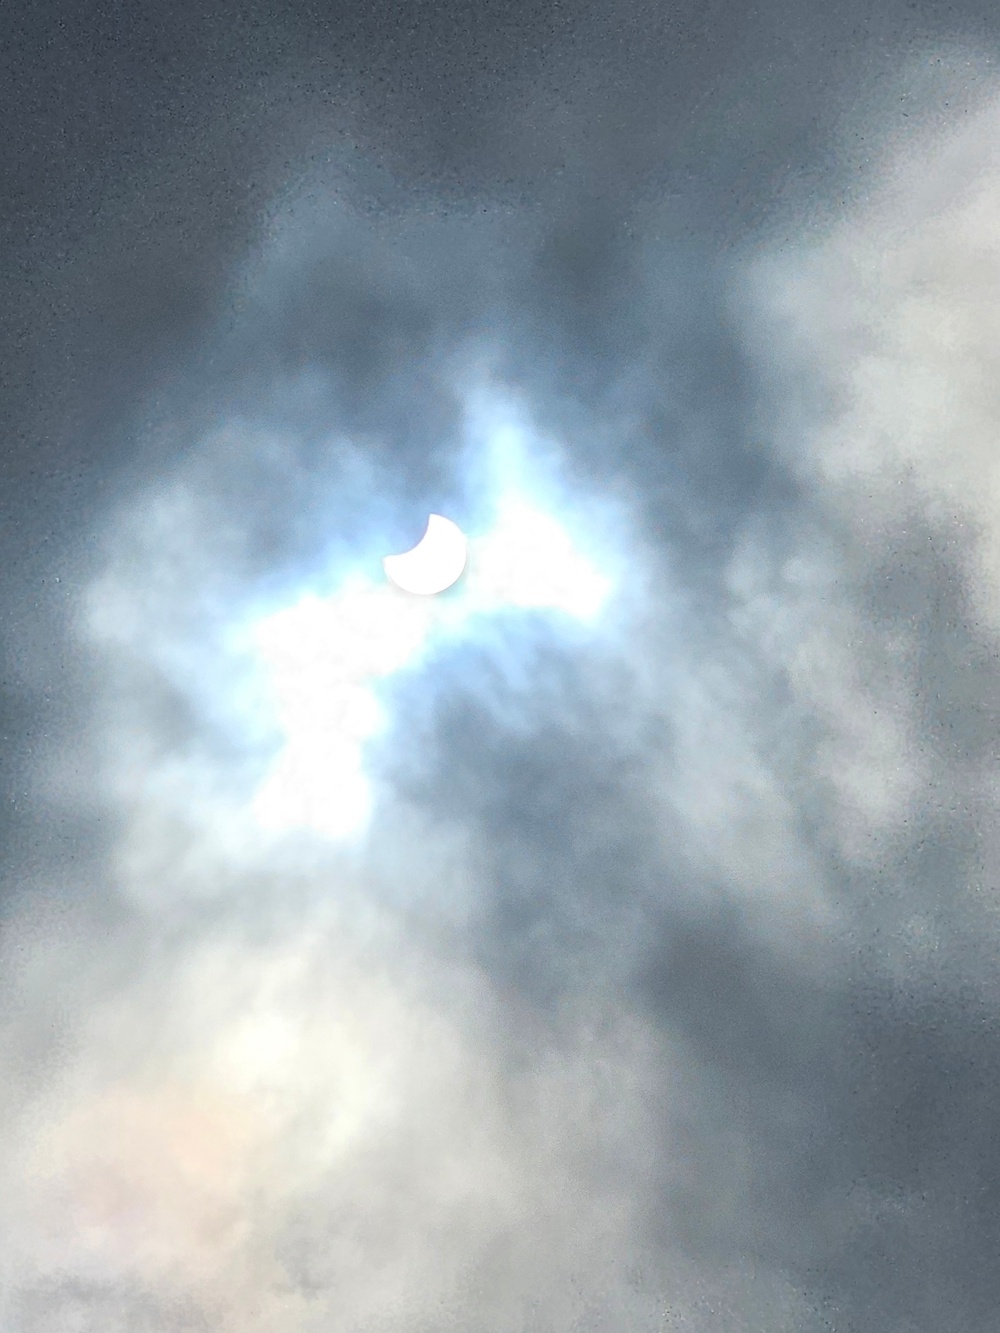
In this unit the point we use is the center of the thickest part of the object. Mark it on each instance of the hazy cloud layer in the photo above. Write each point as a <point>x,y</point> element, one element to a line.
<point>658,989</point>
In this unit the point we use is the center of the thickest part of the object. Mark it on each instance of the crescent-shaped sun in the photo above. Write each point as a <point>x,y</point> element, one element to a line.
<point>434,564</point>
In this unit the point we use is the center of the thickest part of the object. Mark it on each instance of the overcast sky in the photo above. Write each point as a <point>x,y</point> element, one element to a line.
<point>611,943</point>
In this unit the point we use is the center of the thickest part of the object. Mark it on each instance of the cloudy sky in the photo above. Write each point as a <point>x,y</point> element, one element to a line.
<point>608,945</point>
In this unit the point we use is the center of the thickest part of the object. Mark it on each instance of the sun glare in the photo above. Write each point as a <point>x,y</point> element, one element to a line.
<point>529,560</point>
<point>323,657</point>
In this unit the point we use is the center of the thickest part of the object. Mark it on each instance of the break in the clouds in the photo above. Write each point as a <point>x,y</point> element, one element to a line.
<point>297,670</point>
<point>610,942</point>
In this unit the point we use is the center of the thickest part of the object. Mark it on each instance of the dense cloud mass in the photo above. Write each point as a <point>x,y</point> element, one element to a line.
<point>611,942</point>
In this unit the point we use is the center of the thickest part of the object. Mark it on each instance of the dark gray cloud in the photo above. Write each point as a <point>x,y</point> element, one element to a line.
<point>659,990</point>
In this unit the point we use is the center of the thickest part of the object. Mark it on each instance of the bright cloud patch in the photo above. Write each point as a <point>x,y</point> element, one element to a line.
<point>296,684</point>
<point>529,561</point>
<point>323,658</point>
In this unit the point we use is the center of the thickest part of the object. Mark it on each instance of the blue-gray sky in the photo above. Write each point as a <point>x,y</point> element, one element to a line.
<point>609,944</point>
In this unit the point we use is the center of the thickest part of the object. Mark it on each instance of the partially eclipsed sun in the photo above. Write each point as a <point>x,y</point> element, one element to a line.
<point>434,564</point>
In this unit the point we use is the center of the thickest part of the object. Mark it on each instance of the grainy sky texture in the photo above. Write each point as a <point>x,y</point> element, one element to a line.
<point>610,945</point>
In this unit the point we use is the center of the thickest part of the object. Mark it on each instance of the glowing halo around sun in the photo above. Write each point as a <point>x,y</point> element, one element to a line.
<point>436,562</point>
<point>320,693</point>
